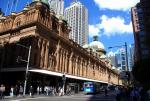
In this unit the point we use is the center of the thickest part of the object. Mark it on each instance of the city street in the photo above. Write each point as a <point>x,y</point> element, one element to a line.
<point>77,97</point>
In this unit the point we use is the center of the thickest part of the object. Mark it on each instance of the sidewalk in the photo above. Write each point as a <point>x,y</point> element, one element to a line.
<point>41,95</point>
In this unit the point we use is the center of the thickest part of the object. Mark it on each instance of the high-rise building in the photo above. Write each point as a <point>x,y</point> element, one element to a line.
<point>77,16</point>
<point>57,6</point>
<point>121,59</point>
<point>113,58</point>
<point>141,49</point>
<point>131,57</point>
<point>141,27</point>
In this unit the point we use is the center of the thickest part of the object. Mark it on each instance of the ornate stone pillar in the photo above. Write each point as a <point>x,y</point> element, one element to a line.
<point>76,65</point>
<point>70,63</point>
<point>81,66</point>
<point>61,57</point>
<point>66,61</point>
<point>74,62</point>
<point>42,54</point>
<point>64,56</point>
<point>46,55</point>
<point>57,54</point>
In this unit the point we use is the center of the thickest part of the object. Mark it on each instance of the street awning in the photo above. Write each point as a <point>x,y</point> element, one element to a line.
<point>61,74</point>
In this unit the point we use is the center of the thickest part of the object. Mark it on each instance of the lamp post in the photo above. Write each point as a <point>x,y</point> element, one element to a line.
<point>126,52</point>
<point>27,68</point>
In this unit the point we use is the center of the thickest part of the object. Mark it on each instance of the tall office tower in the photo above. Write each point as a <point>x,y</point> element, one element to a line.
<point>57,6</point>
<point>141,27</point>
<point>142,51</point>
<point>121,59</point>
<point>113,58</point>
<point>77,16</point>
<point>131,57</point>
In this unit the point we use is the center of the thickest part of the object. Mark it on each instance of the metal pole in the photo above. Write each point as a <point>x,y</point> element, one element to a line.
<point>26,75</point>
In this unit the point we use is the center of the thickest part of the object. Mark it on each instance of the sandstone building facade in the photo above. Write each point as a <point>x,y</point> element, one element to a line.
<point>52,52</point>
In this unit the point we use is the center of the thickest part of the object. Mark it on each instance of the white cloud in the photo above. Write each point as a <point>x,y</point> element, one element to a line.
<point>93,30</point>
<point>114,25</point>
<point>123,5</point>
<point>110,27</point>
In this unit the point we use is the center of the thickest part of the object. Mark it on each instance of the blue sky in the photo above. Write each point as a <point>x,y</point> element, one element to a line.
<point>110,19</point>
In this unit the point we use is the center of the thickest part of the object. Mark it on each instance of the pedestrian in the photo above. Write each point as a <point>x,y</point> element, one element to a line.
<point>2,90</point>
<point>11,91</point>
<point>20,90</point>
<point>148,95</point>
<point>118,94</point>
<point>135,96</point>
<point>106,91</point>
<point>15,91</point>
<point>31,91</point>
<point>38,90</point>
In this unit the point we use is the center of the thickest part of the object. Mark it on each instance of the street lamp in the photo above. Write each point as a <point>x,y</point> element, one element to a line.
<point>127,68</point>
<point>125,45</point>
<point>27,68</point>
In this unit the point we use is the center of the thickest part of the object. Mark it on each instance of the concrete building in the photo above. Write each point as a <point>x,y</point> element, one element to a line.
<point>77,16</point>
<point>57,6</point>
<point>52,54</point>
<point>141,27</point>
<point>131,57</point>
<point>121,59</point>
<point>113,59</point>
<point>141,50</point>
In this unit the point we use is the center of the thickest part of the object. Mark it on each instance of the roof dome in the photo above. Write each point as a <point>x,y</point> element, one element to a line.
<point>103,56</point>
<point>111,54</point>
<point>85,46</point>
<point>96,44</point>
<point>43,1</point>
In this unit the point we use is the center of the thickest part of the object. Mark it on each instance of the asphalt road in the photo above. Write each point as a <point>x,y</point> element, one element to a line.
<point>79,97</point>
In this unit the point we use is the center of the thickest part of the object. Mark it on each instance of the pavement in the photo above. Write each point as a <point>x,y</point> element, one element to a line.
<point>74,97</point>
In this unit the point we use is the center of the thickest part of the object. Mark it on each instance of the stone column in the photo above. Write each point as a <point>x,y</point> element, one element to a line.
<point>60,63</point>
<point>46,55</point>
<point>76,65</point>
<point>81,66</point>
<point>62,57</point>
<point>63,64</point>
<point>73,67</point>
<point>66,61</point>
<point>42,55</point>
<point>70,63</point>
<point>57,55</point>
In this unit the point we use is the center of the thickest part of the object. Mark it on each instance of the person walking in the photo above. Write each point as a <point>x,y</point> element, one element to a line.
<point>38,90</point>
<point>2,90</point>
<point>118,94</point>
<point>20,90</point>
<point>135,96</point>
<point>106,91</point>
<point>12,91</point>
<point>31,91</point>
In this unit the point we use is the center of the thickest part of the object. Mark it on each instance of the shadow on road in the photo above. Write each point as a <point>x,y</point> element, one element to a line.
<point>101,97</point>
